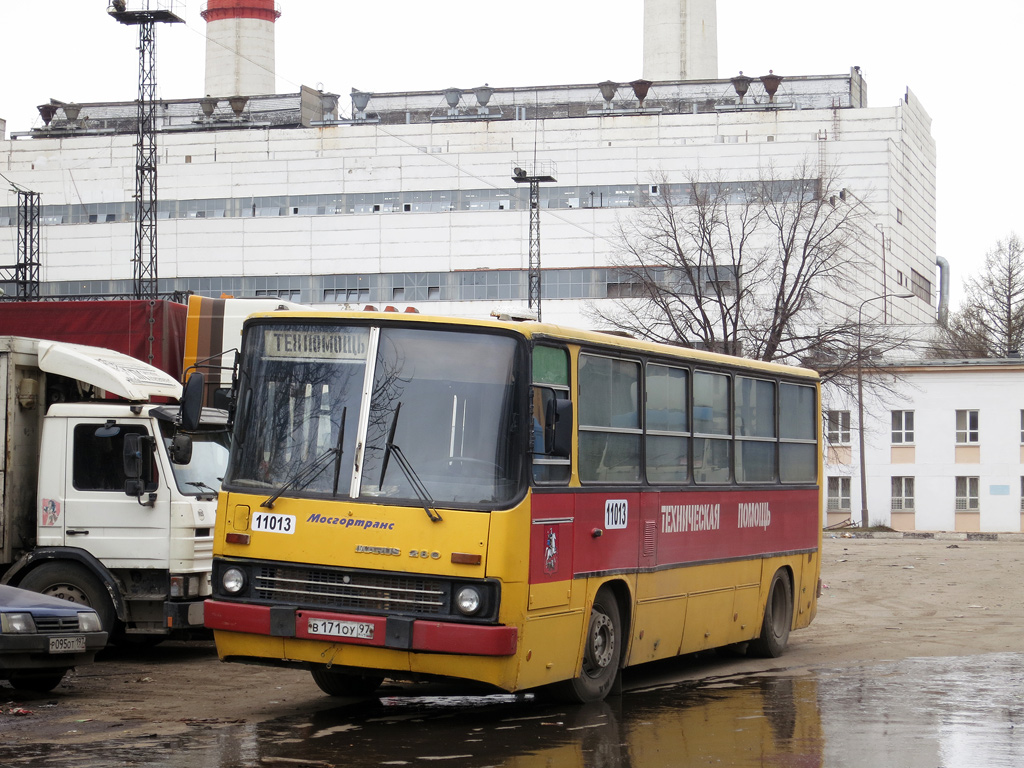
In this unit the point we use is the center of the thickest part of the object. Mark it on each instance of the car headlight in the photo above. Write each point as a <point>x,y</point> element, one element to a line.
<point>233,580</point>
<point>17,623</point>
<point>89,621</point>
<point>468,600</point>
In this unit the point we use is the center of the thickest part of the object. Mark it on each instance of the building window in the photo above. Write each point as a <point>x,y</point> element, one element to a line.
<point>902,493</point>
<point>920,286</point>
<point>290,294</point>
<point>1022,427</point>
<point>839,427</point>
<point>967,427</point>
<point>1022,493</point>
<point>839,494</point>
<point>967,493</point>
<point>902,427</point>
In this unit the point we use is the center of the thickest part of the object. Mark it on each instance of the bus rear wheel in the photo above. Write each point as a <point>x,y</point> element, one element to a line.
<point>778,618</point>
<point>344,684</point>
<point>601,653</point>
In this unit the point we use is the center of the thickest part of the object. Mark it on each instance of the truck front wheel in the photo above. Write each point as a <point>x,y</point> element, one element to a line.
<point>75,584</point>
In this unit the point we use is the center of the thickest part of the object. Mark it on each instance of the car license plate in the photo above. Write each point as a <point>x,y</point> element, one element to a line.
<point>358,629</point>
<point>72,644</point>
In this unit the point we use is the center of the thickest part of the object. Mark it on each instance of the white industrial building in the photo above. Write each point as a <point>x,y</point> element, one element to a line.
<point>410,200</point>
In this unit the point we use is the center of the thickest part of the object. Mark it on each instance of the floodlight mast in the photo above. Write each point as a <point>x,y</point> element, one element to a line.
<point>534,177</point>
<point>144,259</point>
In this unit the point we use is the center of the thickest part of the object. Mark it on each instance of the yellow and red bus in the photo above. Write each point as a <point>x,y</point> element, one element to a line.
<point>511,503</point>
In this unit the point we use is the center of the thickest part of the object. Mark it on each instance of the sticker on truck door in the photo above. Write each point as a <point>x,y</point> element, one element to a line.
<point>51,513</point>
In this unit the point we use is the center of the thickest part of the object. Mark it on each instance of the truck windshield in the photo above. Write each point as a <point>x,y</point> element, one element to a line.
<point>317,411</point>
<point>205,471</point>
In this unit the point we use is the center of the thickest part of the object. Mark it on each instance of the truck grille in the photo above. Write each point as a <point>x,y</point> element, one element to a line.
<point>365,592</point>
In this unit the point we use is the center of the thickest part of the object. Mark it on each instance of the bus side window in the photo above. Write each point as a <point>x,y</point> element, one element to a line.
<point>609,416</point>
<point>550,397</point>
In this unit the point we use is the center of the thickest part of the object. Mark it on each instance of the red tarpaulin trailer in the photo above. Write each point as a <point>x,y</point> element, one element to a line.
<point>151,331</point>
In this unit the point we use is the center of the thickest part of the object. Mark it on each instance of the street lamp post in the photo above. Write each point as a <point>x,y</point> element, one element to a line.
<point>864,521</point>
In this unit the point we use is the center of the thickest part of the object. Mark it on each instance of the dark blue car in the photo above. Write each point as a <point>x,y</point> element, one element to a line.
<point>43,637</point>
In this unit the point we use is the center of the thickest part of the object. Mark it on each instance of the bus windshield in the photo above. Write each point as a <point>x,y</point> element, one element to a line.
<point>390,415</point>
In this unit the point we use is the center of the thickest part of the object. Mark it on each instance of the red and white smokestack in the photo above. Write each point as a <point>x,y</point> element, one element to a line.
<point>240,47</point>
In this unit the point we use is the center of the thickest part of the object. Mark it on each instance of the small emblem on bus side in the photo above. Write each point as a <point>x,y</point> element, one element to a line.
<point>550,550</point>
<point>616,513</point>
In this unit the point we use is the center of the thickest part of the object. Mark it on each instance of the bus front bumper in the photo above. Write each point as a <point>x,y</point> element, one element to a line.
<point>394,632</point>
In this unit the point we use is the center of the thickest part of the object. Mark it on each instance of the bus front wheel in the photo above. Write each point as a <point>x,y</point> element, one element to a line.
<point>778,618</point>
<point>601,653</point>
<point>343,684</point>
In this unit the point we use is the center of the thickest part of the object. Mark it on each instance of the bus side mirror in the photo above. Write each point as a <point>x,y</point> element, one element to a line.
<point>191,407</point>
<point>558,427</point>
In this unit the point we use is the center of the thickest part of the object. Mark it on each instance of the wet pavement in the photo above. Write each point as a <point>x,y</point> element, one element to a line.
<point>957,712</point>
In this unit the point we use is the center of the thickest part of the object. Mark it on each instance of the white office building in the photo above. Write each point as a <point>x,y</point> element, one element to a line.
<point>943,448</point>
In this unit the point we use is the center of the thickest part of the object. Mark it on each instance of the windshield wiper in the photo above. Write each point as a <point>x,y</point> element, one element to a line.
<point>201,485</point>
<point>339,448</point>
<point>391,447</point>
<point>305,476</point>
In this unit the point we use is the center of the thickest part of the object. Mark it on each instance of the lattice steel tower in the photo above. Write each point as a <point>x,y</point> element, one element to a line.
<point>25,274</point>
<point>144,260</point>
<point>534,176</point>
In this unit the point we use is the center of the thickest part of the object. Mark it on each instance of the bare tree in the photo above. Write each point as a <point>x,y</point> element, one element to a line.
<point>990,322</point>
<point>759,268</point>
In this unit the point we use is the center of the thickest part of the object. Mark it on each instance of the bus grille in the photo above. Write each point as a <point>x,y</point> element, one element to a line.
<point>354,590</point>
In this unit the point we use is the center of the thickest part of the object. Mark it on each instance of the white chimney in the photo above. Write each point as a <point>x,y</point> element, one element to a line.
<point>240,47</point>
<point>680,40</point>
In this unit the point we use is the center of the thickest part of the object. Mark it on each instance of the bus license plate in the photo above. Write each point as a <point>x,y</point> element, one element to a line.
<point>73,644</point>
<point>358,629</point>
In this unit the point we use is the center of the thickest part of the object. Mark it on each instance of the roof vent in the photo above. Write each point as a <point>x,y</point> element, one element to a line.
<point>47,111</point>
<point>640,89</point>
<point>608,89</point>
<point>771,83</point>
<point>742,84</point>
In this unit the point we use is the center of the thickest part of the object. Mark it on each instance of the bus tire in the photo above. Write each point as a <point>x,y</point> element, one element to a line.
<point>72,582</point>
<point>602,652</point>
<point>344,684</point>
<point>778,618</point>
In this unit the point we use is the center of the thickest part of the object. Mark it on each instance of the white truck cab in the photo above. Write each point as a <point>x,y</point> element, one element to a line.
<point>124,506</point>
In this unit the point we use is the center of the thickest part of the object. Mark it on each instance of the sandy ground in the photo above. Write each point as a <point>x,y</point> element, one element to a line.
<point>882,600</point>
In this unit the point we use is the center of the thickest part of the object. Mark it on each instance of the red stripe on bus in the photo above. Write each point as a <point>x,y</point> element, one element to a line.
<point>591,532</point>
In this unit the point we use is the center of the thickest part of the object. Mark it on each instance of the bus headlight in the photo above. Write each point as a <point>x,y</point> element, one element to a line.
<point>468,600</point>
<point>233,580</point>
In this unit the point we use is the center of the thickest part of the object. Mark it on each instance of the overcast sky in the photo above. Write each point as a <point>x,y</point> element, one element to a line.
<point>961,61</point>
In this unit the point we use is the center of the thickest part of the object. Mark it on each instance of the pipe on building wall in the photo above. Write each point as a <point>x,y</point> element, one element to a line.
<point>943,266</point>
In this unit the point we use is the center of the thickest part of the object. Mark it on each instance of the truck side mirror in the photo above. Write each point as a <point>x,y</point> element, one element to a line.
<point>181,448</point>
<point>138,464</point>
<point>192,402</point>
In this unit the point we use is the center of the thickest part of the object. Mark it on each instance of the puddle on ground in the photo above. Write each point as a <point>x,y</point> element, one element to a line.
<point>919,713</point>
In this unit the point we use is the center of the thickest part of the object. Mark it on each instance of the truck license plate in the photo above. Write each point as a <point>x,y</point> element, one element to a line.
<point>72,644</point>
<point>359,629</point>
